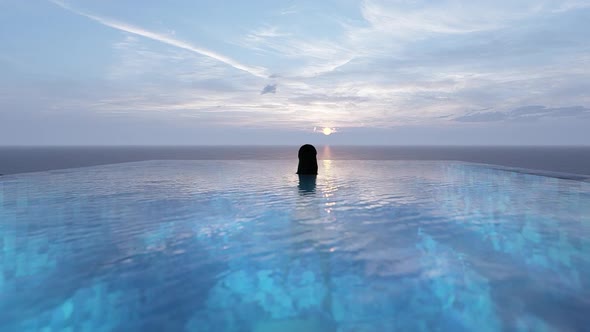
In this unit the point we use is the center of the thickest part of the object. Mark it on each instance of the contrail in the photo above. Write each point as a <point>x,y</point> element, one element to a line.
<point>256,71</point>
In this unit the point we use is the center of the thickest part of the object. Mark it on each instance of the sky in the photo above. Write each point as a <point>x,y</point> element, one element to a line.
<point>368,72</point>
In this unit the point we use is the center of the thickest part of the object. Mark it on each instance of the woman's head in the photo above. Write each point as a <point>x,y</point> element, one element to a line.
<point>308,163</point>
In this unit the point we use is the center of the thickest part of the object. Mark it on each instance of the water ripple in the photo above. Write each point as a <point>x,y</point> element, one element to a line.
<point>243,245</point>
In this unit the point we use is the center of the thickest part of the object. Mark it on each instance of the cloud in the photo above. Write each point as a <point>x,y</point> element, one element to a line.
<point>526,113</point>
<point>256,71</point>
<point>403,18</point>
<point>289,10</point>
<point>390,63</point>
<point>147,64</point>
<point>307,57</point>
<point>270,88</point>
<point>482,117</point>
<point>267,32</point>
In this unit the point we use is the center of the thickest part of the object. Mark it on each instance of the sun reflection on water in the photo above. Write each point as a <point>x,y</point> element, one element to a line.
<point>330,187</point>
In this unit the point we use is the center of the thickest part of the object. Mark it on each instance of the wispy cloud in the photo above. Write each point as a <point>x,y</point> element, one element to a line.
<point>288,10</point>
<point>409,18</point>
<point>267,32</point>
<point>314,57</point>
<point>256,71</point>
<point>134,60</point>
<point>526,113</point>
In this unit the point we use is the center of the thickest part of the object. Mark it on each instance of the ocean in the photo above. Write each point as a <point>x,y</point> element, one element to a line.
<point>566,160</point>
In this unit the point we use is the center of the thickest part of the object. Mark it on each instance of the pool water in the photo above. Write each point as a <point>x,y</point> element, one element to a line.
<point>248,246</point>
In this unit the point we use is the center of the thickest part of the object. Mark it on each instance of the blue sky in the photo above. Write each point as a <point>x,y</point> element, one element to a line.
<point>269,72</point>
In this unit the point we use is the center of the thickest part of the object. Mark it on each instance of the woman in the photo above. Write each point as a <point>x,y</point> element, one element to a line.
<point>308,163</point>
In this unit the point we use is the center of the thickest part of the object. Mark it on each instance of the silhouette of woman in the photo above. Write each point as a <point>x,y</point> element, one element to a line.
<point>308,163</point>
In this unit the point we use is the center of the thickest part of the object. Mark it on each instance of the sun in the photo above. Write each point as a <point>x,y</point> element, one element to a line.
<point>327,131</point>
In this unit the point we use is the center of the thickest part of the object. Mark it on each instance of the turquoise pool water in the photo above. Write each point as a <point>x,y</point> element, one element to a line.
<point>247,246</point>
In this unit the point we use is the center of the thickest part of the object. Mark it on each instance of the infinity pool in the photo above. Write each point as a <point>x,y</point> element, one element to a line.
<point>246,246</point>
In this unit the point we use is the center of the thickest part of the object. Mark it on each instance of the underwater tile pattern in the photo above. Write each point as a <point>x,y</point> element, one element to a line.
<point>248,246</point>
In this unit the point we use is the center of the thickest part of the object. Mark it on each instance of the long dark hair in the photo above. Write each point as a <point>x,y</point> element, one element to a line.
<point>308,163</point>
